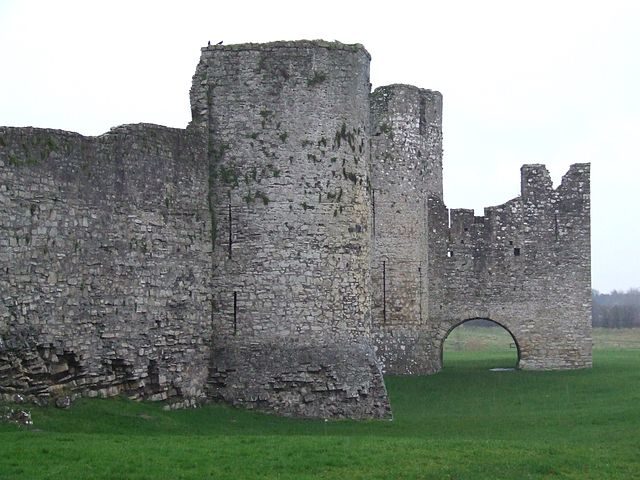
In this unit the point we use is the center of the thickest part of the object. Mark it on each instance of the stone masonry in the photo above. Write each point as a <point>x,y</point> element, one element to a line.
<point>105,258</point>
<point>281,252</point>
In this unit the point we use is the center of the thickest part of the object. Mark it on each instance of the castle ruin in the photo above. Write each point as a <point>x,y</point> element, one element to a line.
<point>281,252</point>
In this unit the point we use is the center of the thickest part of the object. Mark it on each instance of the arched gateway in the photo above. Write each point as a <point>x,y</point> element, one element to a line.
<point>503,328</point>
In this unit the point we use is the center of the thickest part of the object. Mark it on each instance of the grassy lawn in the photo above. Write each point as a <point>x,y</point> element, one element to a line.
<point>464,423</point>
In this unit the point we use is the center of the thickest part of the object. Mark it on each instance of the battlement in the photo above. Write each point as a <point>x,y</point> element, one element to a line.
<point>540,200</point>
<point>577,180</point>
<point>535,181</point>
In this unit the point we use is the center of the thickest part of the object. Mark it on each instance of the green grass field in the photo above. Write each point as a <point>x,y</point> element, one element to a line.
<point>465,422</point>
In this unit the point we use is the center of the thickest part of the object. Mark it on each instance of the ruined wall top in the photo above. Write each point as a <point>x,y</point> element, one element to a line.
<point>255,74</point>
<point>525,264</point>
<point>355,47</point>
<point>536,183</point>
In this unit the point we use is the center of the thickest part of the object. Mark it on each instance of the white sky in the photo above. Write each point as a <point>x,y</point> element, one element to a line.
<point>554,82</point>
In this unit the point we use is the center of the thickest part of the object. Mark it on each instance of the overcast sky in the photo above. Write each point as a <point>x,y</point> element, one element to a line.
<point>553,82</point>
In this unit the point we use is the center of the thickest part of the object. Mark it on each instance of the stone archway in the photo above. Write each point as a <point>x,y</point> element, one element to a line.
<point>459,323</point>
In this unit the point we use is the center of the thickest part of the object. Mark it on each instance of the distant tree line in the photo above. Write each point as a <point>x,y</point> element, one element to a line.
<point>616,309</point>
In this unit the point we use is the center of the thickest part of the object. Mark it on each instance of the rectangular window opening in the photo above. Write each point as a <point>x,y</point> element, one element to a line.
<point>422,125</point>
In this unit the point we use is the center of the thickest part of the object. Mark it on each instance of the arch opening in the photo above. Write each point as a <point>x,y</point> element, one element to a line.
<point>479,343</point>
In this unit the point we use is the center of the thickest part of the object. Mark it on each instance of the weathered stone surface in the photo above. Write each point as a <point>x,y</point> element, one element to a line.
<point>327,381</point>
<point>64,402</point>
<point>524,264</point>
<point>105,253</point>
<point>288,125</point>
<point>406,168</point>
<point>276,253</point>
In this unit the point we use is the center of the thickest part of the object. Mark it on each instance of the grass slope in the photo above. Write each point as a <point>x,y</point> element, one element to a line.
<point>463,423</point>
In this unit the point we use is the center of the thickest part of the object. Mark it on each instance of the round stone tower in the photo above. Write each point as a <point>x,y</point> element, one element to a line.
<point>406,169</point>
<point>287,127</point>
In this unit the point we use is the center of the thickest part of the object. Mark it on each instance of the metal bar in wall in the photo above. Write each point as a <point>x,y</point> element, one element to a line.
<point>235,313</point>
<point>384,292</point>
<point>373,210</point>
<point>420,291</point>
<point>230,232</point>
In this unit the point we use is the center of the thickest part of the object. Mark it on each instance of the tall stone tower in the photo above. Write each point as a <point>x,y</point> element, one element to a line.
<point>287,126</point>
<point>406,168</point>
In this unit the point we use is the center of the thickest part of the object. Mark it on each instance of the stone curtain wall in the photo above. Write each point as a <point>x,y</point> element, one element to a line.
<point>105,259</point>
<point>287,125</point>
<point>524,264</point>
<point>406,168</point>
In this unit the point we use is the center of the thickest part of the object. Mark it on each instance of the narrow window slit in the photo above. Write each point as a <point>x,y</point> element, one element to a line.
<point>423,116</point>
